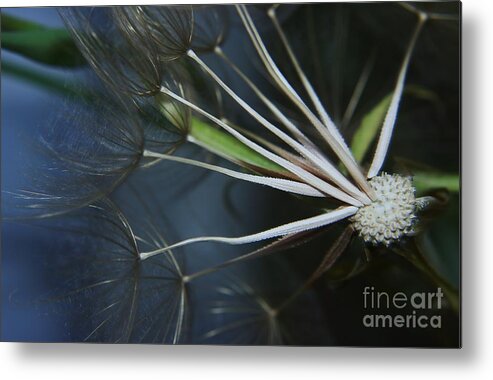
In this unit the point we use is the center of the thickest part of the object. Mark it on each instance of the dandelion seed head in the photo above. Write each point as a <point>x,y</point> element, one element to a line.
<point>168,29</point>
<point>392,215</point>
<point>117,50</point>
<point>81,156</point>
<point>210,27</point>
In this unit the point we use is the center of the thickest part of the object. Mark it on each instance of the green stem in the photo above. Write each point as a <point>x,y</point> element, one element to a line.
<point>424,181</point>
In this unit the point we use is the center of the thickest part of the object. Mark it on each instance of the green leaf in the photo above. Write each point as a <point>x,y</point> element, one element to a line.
<point>368,129</point>
<point>11,23</point>
<point>427,180</point>
<point>40,79</point>
<point>227,146</point>
<point>52,46</point>
<point>371,123</point>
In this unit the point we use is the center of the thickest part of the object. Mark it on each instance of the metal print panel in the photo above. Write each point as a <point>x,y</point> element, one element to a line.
<point>276,174</point>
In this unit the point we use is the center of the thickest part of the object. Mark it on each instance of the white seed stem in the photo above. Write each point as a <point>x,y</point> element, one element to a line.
<point>391,116</point>
<point>181,316</point>
<point>308,149</point>
<point>304,175</point>
<point>282,118</point>
<point>286,229</point>
<point>276,183</point>
<point>428,15</point>
<point>329,132</point>
<point>264,250</point>
<point>358,91</point>
<point>304,80</point>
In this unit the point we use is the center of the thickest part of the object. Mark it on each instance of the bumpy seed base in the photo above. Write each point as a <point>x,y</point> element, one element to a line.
<point>392,215</point>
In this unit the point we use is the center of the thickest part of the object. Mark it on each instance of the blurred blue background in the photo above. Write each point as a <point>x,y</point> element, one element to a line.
<point>24,109</point>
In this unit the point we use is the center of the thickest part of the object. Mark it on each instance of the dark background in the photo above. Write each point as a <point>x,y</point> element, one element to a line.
<point>428,133</point>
